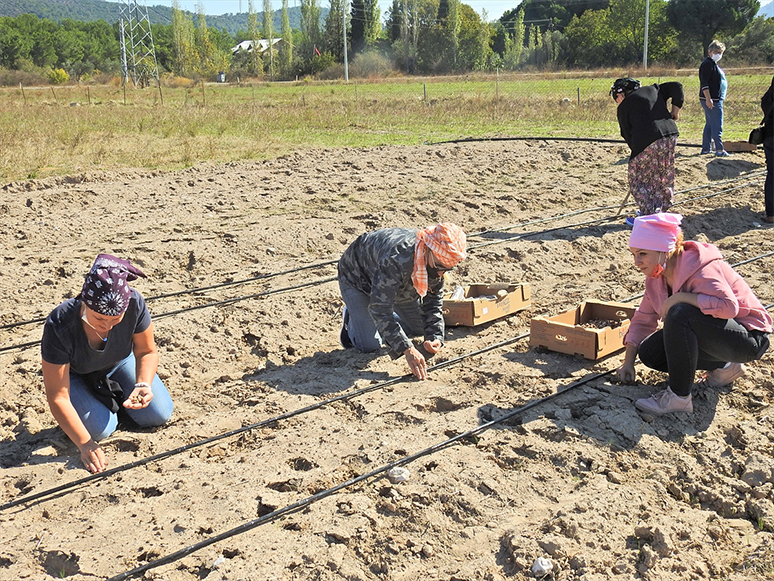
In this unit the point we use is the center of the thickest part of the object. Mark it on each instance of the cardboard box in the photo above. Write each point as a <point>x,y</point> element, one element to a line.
<point>566,332</point>
<point>737,146</point>
<point>482,303</point>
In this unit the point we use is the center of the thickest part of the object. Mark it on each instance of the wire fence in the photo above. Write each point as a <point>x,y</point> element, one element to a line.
<point>180,123</point>
<point>577,87</point>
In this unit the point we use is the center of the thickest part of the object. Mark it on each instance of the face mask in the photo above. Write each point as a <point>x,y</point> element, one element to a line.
<point>659,269</point>
<point>716,57</point>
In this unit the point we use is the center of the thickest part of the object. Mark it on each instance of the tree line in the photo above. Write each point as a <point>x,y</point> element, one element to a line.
<point>414,36</point>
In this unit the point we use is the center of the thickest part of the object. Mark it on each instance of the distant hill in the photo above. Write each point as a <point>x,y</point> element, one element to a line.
<point>88,10</point>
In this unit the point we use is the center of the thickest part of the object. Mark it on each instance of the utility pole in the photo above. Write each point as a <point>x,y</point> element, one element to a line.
<point>138,55</point>
<point>645,48</point>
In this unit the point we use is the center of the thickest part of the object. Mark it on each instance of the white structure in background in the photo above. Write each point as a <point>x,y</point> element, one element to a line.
<point>263,45</point>
<point>138,55</point>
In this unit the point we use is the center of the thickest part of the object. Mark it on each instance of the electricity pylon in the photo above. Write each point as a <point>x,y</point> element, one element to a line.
<point>138,55</point>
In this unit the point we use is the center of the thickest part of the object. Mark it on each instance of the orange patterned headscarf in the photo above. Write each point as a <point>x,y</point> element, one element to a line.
<point>447,243</point>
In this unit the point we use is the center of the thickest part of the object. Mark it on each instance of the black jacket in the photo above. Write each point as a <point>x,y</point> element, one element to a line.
<point>767,105</point>
<point>643,115</point>
<point>709,78</point>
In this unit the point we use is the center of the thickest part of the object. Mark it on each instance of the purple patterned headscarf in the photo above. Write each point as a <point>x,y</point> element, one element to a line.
<point>105,290</point>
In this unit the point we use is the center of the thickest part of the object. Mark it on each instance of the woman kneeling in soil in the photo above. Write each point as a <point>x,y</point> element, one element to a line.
<point>711,318</point>
<point>99,358</point>
<point>391,281</point>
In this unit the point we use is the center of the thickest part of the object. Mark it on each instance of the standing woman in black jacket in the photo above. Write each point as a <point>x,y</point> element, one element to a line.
<point>767,104</point>
<point>712,94</point>
<point>649,127</point>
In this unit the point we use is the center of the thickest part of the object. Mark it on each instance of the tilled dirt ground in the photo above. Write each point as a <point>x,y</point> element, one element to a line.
<point>582,480</point>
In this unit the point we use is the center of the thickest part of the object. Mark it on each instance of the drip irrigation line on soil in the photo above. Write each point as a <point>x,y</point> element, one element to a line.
<point>331,279</point>
<point>296,506</point>
<point>516,138</point>
<point>331,262</point>
<point>597,220</point>
<point>46,494</point>
<point>43,495</point>
<point>200,289</point>
<point>472,247</point>
<point>206,305</point>
<point>472,235</point>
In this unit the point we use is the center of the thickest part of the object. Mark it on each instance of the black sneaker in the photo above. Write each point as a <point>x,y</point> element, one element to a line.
<point>344,333</point>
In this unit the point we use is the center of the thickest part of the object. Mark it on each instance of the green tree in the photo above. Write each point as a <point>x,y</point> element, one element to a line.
<point>703,20</point>
<point>627,24</point>
<point>310,28</point>
<point>14,46</point>
<point>755,44</point>
<point>333,34</point>
<point>371,15</point>
<point>358,28</point>
<point>474,52</point>
<point>514,44</point>
<point>286,47</point>
<point>184,41</point>
<point>590,40</point>
<point>268,34</point>
<point>255,63</point>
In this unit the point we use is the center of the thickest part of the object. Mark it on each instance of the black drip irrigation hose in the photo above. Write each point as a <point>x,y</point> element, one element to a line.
<point>200,289</point>
<point>287,415</point>
<point>296,506</point>
<point>472,247</point>
<point>517,138</point>
<point>331,262</point>
<point>206,306</point>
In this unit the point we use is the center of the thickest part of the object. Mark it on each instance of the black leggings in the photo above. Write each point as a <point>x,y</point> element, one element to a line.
<point>691,340</point>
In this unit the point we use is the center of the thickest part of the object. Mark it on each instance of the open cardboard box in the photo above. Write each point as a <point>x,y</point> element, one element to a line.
<point>565,332</point>
<point>485,302</point>
<point>737,146</point>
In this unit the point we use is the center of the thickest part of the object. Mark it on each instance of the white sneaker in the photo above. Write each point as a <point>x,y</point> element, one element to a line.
<point>665,402</point>
<point>722,376</point>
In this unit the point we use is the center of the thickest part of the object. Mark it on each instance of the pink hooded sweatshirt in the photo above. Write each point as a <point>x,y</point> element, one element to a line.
<point>723,293</point>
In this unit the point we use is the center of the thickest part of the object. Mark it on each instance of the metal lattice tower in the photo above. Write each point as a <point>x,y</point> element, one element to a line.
<point>138,55</point>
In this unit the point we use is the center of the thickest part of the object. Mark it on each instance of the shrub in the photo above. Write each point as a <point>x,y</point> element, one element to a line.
<point>370,65</point>
<point>13,78</point>
<point>57,76</point>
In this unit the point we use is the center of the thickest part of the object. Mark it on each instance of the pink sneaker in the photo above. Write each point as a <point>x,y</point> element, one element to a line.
<point>723,376</point>
<point>665,402</point>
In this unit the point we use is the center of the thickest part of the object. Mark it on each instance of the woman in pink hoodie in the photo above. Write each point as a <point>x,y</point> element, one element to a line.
<point>711,318</point>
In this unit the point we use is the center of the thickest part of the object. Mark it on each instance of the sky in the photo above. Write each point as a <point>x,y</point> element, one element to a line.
<point>494,8</point>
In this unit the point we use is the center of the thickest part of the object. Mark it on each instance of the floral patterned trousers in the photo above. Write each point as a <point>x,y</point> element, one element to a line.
<point>652,176</point>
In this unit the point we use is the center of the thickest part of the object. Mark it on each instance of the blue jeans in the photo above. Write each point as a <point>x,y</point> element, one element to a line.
<point>361,327</point>
<point>100,421</point>
<point>713,125</point>
<point>691,340</point>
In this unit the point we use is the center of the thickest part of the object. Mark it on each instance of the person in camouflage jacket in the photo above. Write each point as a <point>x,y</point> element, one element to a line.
<point>391,281</point>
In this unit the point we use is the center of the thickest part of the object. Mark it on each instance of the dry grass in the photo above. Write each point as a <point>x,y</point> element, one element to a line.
<point>78,129</point>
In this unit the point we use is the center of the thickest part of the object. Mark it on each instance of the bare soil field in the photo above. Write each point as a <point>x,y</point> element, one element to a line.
<point>582,480</point>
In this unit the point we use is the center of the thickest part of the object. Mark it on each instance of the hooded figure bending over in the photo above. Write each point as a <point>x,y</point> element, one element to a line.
<point>391,281</point>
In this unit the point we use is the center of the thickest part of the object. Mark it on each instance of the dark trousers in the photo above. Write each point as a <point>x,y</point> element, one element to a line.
<point>691,340</point>
<point>768,188</point>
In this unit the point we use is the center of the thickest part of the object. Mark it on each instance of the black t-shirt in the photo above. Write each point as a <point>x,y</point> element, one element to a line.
<point>65,341</point>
